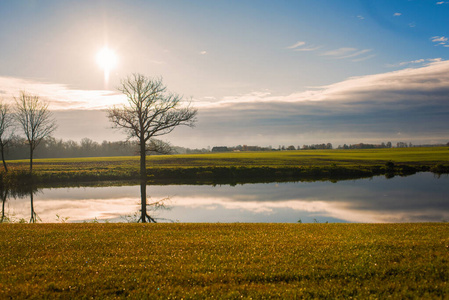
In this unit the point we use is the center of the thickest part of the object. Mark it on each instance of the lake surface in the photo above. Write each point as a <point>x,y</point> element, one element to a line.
<point>418,198</point>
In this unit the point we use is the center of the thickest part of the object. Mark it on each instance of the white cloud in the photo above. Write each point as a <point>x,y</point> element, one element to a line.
<point>339,52</point>
<point>59,96</point>
<point>397,14</point>
<point>441,2</point>
<point>413,62</point>
<point>296,45</point>
<point>356,53</point>
<point>311,48</point>
<point>431,80</point>
<point>439,40</point>
<point>203,52</point>
<point>436,39</point>
<point>360,17</point>
<point>343,53</point>
<point>363,58</point>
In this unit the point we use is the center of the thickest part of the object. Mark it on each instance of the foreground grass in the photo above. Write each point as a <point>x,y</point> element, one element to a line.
<point>224,261</point>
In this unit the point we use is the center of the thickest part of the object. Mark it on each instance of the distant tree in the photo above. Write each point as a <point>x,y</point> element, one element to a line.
<point>151,112</point>
<point>6,123</point>
<point>389,145</point>
<point>36,120</point>
<point>291,147</point>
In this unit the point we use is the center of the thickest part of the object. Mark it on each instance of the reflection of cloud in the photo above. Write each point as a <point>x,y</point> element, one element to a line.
<point>75,210</point>
<point>418,198</point>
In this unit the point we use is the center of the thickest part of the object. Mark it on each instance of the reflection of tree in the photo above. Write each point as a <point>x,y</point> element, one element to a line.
<point>34,216</point>
<point>156,205</point>
<point>4,194</point>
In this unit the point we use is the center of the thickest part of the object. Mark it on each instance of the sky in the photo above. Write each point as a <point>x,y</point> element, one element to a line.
<point>264,73</point>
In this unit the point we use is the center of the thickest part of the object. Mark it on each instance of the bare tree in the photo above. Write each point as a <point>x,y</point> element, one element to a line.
<point>35,119</point>
<point>6,122</point>
<point>151,112</point>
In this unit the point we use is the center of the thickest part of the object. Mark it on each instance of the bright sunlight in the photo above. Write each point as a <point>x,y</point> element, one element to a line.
<point>107,60</point>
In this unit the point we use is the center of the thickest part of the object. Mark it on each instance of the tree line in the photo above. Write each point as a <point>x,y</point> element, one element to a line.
<point>58,148</point>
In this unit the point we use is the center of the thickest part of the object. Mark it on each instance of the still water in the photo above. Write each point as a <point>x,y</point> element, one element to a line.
<point>418,198</point>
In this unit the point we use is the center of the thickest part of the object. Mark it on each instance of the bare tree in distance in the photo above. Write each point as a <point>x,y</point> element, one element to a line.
<point>35,119</point>
<point>151,112</point>
<point>6,123</point>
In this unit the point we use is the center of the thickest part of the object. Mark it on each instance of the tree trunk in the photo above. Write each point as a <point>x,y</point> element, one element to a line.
<point>143,168</point>
<point>143,181</point>
<point>31,158</point>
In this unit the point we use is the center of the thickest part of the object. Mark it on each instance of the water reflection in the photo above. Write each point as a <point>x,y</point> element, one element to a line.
<point>417,198</point>
<point>4,194</point>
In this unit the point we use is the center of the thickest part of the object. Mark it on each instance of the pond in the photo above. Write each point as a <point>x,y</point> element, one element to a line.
<point>422,197</point>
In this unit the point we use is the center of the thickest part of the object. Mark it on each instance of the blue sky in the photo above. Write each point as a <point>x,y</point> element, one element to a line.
<point>260,72</point>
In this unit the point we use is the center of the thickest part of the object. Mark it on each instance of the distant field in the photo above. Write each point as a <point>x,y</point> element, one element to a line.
<point>429,156</point>
<point>287,261</point>
<point>110,168</point>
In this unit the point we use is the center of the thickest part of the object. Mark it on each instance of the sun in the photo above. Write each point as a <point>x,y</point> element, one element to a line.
<point>107,60</point>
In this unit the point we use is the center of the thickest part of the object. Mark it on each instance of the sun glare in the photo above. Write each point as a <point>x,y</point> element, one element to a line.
<point>107,60</point>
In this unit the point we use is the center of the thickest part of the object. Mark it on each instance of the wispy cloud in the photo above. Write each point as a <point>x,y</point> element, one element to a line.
<point>363,58</point>
<point>440,40</point>
<point>360,17</point>
<point>311,48</point>
<point>296,45</point>
<point>442,2</point>
<point>300,46</point>
<point>339,52</point>
<point>203,52</point>
<point>414,62</point>
<point>343,53</point>
<point>397,14</point>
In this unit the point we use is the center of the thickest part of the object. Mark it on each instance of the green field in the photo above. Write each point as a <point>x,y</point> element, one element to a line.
<point>240,166</point>
<point>167,261</point>
<point>365,157</point>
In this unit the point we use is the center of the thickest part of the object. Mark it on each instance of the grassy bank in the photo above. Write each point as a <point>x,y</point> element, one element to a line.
<point>224,260</point>
<point>240,167</point>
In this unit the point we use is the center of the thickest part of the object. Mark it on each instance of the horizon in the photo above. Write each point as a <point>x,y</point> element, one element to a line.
<point>265,73</point>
